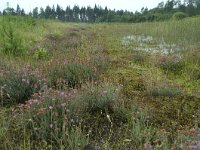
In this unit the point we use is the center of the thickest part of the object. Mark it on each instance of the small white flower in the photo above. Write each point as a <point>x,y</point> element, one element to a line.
<point>105,92</point>
<point>50,107</point>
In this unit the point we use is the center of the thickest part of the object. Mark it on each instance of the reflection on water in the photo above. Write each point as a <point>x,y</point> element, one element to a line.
<point>149,44</point>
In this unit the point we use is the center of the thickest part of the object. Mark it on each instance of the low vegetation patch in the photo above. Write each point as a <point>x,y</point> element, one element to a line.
<point>172,64</point>
<point>98,98</point>
<point>18,88</point>
<point>70,75</point>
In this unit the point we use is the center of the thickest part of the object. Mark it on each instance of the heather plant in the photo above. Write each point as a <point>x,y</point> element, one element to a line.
<point>101,62</point>
<point>139,58</point>
<point>172,64</point>
<point>54,121</point>
<point>98,98</point>
<point>166,91</point>
<point>17,88</point>
<point>70,75</point>
<point>142,132</point>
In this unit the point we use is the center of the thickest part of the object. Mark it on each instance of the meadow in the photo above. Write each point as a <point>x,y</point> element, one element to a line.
<point>84,86</point>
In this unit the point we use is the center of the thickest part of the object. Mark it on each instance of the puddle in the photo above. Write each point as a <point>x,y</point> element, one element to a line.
<point>149,44</point>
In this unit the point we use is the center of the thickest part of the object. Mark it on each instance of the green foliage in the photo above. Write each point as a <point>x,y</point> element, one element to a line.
<point>52,121</point>
<point>174,112</point>
<point>139,58</point>
<point>17,88</point>
<point>71,75</point>
<point>3,125</point>
<point>164,91</point>
<point>12,43</point>
<point>131,79</point>
<point>142,132</point>
<point>101,62</point>
<point>41,54</point>
<point>171,64</point>
<point>179,16</point>
<point>97,98</point>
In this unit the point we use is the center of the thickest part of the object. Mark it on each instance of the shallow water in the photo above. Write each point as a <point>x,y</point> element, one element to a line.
<point>149,44</point>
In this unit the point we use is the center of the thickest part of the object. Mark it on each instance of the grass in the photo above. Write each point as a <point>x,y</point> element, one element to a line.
<point>93,89</point>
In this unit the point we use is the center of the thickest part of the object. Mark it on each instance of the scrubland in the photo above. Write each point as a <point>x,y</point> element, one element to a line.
<point>104,86</point>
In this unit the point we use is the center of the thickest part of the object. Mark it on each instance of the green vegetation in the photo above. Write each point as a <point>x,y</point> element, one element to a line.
<point>18,88</point>
<point>103,86</point>
<point>72,75</point>
<point>179,16</point>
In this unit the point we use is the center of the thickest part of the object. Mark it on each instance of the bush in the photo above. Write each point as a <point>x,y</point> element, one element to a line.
<point>164,91</point>
<point>98,98</point>
<point>179,16</point>
<point>101,62</point>
<point>171,64</point>
<point>141,130</point>
<point>71,75</point>
<point>11,41</point>
<point>18,88</point>
<point>139,58</point>
<point>52,122</point>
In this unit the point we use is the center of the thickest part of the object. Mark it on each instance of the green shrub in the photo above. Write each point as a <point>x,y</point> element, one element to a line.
<point>41,54</point>
<point>11,41</point>
<point>54,122</point>
<point>18,88</point>
<point>171,64</point>
<point>164,91</point>
<point>97,98</point>
<point>139,58</point>
<point>71,75</point>
<point>141,130</point>
<point>179,16</point>
<point>101,62</point>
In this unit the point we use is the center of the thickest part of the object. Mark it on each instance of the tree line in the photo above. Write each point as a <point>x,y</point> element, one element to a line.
<point>172,9</point>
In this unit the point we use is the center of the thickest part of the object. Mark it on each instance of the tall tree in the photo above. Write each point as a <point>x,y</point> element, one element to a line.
<point>191,11</point>
<point>18,10</point>
<point>83,14</point>
<point>48,13</point>
<point>60,13</point>
<point>53,12</point>
<point>35,12</point>
<point>90,14</point>
<point>76,13</point>
<point>169,5</point>
<point>42,13</point>
<point>23,12</point>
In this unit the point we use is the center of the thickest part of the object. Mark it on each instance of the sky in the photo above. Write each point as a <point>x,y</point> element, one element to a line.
<point>130,5</point>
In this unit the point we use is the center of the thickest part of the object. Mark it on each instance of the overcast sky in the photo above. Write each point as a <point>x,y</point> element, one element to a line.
<point>131,5</point>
